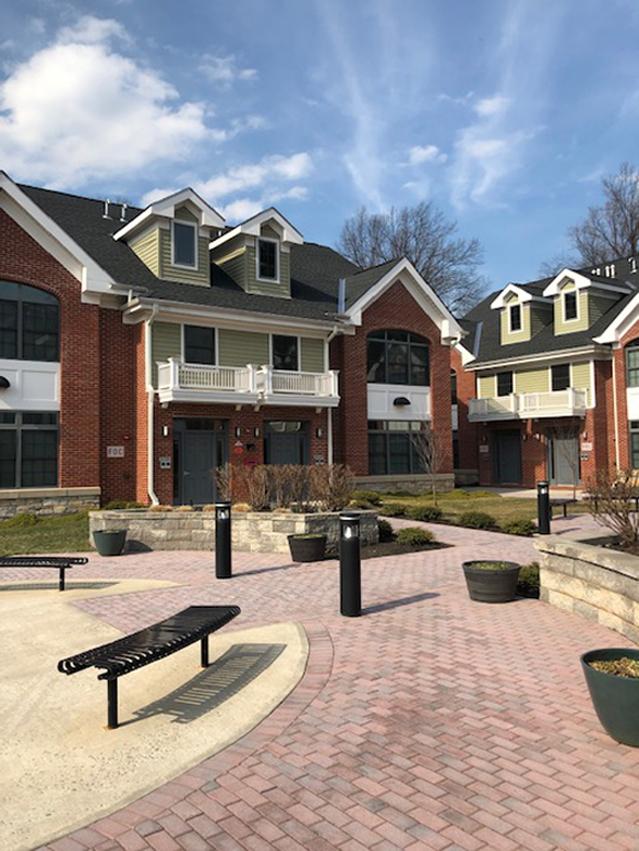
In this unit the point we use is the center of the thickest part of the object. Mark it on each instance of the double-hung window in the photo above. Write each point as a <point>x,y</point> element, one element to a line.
<point>504,383</point>
<point>184,244</point>
<point>571,310</point>
<point>632,364</point>
<point>268,260</point>
<point>199,344</point>
<point>514,313</point>
<point>28,449</point>
<point>560,376</point>
<point>285,352</point>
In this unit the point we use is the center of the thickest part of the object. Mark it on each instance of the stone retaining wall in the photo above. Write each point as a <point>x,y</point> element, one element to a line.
<point>44,501</point>
<point>414,483</point>
<point>590,580</point>
<point>252,531</point>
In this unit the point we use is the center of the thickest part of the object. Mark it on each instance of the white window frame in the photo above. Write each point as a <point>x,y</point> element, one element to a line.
<point>574,292</point>
<point>195,229</point>
<point>216,337</point>
<point>299,351</point>
<point>512,330</point>
<point>276,279</point>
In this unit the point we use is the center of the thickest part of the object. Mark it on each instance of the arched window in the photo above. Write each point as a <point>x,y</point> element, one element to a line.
<point>398,357</point>
<point>632,364</point>
<point>29,323</point>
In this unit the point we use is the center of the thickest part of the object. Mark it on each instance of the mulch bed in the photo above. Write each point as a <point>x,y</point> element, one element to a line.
<point>392,548</point>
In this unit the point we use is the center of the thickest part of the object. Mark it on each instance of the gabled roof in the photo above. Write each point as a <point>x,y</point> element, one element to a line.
<point>252,226</point>
<point>523,294</point>
<point>166,207</point>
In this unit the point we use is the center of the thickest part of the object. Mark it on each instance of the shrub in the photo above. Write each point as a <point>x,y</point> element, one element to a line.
<point>241,506</point>
<point>477,520</point>
<point>386,533</point>
<point>371,497</point>
<point>359,502</point>
<point>184,508</point>
<point>331,486</point>
<point>611,504</point>
<point>393,509</point>
<point>412,536</point>
<point>20,521</point>
<point>427,513</point>
<point>116,504</point>
<point>160,508</point>
<point>518,527</point>
<point>528,582</point>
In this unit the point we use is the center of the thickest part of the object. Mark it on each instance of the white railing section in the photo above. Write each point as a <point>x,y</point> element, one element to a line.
<point>173,375</point>
<point>522,405</point>
<point>276,381</point>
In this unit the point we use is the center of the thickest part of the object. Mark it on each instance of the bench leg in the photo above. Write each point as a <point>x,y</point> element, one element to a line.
<point>61,582</point>
<point>204,652</point>
<point>565,509</point>
<point>112,704</point>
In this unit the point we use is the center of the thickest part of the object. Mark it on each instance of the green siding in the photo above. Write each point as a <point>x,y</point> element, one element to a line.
<point>580,324</point>
<point>185,215</point>
<point>580,378</point>
<point>201,275</point>
<point>268,232</point>
<point>281,288</point>
<point>312,355</point>
<point>531,381</point>
<point>239,348</point>
<point>233,261</point>
<point>486,386</point>
<point>147,247</point>
<point>540,316</point>
<point>166,342</point>
<point>598,305</point>
<point>516,336</point>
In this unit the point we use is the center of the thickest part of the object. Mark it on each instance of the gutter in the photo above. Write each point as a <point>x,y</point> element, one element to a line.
<point>150,398</point>
<point>558,354</point>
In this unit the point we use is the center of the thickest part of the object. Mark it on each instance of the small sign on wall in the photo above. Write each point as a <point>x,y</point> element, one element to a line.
<point>115,451</point>
<point>165,462</point>
<point>586,447</point>
<point>483,448</point>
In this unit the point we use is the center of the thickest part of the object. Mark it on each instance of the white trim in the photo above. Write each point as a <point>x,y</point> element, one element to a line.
<point>589,351</point>
<point>253,225</point>
<point>165,207</point>
<point>562,297</point>
<point>195,230</point>
<point>523,296</point>
<point>580,281</point>
<point>620,324</point>
<point>450,330</point>
<point>465,354</point>
<point>510,307</point>
<point>52,237</point>
<point>276,279</point>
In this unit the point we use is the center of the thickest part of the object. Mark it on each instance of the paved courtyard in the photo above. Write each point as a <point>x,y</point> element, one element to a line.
<point>430,722</point>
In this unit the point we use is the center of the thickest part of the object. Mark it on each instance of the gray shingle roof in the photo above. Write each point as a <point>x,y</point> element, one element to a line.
<point>484,332</point>
<point>315,269</point>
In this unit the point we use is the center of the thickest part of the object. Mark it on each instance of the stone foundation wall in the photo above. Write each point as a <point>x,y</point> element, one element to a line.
<point>252,531</point>
<point>411,484</point>
<point>42,501</point>
<point>593,581</point>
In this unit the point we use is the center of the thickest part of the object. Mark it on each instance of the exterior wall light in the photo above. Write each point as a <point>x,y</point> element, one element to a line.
<point>238,431</point>
<point>401,402</point>
<point>319,432</point>
<point>4,383</point>
<point>256,431</point>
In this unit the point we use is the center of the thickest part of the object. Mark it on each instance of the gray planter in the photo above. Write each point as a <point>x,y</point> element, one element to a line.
<point>491,586</point>
<point>616,699</point>
<point>307,547</point>
<point>110,543</point>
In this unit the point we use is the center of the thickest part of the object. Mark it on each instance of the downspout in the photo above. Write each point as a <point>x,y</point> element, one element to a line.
<point>614,409</point>
<point>150,397</point>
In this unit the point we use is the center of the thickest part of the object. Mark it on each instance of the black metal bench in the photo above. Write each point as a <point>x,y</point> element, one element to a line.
<point>148,645</point>
<point>562,502</point>
<point>63,563</point>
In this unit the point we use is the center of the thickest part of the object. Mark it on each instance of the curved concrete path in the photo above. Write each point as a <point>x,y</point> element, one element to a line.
<point>430,722</point>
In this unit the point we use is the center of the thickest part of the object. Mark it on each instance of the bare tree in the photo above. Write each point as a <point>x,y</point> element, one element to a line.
<point>423,234</point>
<point>562,260</point>
<point>612,503</point>
<point>429,449</point>
<point>611,229</point>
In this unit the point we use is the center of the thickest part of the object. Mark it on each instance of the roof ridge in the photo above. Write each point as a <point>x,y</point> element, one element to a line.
<point>76,195</point>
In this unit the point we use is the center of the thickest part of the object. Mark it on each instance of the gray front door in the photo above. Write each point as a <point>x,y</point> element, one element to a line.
<point>286,442</point>
<point>198,467</point>
<point>564,459</point>
<point>507,457</point>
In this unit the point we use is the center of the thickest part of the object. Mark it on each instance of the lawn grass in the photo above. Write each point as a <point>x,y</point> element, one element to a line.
<point>458,501</point>
<point>27,534</point>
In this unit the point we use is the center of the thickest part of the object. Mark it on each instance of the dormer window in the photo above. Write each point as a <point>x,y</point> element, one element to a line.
<point>571,310</point>
<point>514,312</point>
<point>184,243</point>
<point>268,266</point>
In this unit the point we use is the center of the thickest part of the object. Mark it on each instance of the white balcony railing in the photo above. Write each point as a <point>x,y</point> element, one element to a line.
<point>557,403</point>
<point>178,381</point>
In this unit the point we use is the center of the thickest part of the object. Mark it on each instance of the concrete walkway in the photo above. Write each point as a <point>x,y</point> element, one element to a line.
<point>430,722</point>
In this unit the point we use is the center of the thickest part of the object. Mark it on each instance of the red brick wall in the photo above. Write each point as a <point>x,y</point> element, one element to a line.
<point>395,309</point>
<point>23,260</point>
<point>466,431</point>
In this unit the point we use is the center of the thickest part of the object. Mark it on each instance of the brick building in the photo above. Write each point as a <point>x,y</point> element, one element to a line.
<point>142,349</point>
<point>549,377</point>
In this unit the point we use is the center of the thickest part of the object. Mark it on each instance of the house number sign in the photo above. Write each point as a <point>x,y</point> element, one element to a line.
<point>115,451</point>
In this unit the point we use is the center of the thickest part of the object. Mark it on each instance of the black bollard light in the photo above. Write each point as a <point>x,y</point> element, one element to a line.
<point>350,568</point>
<point>223,540</point>
<point>543,508</point>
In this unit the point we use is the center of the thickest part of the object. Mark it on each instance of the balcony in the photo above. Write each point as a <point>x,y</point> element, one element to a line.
<point>179,382</point>
<point>523,406</point>
<point>280,387</point>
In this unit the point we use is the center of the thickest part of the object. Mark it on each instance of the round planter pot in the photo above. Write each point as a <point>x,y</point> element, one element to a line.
<point>110,543</point>
<point>491,586</point>
<point>616,699</point>
<point>307,548</point>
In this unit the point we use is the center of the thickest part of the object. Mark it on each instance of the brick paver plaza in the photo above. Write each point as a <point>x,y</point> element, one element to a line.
<point>430,722</point>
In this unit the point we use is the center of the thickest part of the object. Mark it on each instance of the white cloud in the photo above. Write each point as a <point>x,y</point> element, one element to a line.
<point>79,109</point>
<point>225,69</point>
<point>242,209</point>
<point>492,106</point>
<point>419,154</point>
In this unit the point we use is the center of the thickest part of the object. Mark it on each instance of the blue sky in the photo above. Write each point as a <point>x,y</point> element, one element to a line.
<point>505,114</point>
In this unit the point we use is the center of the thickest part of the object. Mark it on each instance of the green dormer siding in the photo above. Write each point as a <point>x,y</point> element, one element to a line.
<point>200,275</point>
<point>582,322</point>
<point>147,247</point>
<point>237,258</point>
<point>524,334</point>
<point>281,288</point>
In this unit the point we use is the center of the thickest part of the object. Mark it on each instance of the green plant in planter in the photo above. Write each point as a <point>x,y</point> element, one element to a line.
<point>492,565</point>
<point>308,536</point>
<point>612,677</point>
<point>413,536</point>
